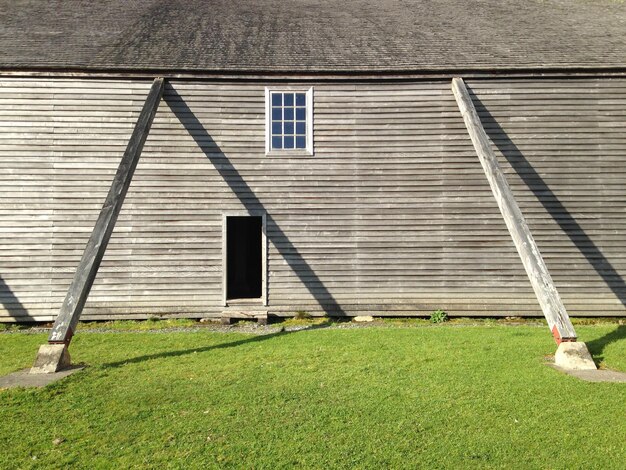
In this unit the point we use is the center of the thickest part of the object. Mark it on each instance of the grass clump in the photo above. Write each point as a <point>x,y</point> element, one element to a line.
<point>153,323</point>
<point>302,318</point>
<point>438,316</point>
<point>597,320</point>
<point>14,326</point>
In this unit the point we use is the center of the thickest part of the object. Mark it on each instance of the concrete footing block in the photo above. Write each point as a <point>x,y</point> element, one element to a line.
<point>51,358</point>
<point>363,319</point>
<point>574,355</point>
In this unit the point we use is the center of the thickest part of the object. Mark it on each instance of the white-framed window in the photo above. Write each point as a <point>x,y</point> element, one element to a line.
<point>288,121</point>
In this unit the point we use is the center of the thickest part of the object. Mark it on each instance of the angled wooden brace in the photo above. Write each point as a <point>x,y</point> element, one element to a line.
<point>545,290</point>
<point>54,355</point>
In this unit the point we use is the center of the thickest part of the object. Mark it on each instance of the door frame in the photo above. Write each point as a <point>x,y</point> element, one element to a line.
<point>245,213</point>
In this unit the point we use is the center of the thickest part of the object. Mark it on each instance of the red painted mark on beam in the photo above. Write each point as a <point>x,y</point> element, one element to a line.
<point>558,339</point>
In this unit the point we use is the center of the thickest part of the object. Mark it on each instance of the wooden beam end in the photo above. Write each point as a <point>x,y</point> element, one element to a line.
<point>559,339</point>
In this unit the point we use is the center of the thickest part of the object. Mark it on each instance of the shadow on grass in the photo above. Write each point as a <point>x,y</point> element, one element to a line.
<point>232,344</point>
<point>597,346</point>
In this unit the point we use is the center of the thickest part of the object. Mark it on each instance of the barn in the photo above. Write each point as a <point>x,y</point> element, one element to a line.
<point>311,156</point>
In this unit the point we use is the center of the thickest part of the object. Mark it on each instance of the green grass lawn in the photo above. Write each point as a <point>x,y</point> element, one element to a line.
<point>442,396</point>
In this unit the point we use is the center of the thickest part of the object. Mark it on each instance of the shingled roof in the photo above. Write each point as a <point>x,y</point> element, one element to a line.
<point>297,36</point>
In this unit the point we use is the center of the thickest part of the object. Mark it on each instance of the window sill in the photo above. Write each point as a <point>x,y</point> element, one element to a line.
<point>290,153</point>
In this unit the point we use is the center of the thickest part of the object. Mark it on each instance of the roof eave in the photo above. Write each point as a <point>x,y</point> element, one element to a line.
<point>308,75</point>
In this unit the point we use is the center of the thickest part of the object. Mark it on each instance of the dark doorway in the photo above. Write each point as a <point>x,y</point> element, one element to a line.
<point>244,237</point>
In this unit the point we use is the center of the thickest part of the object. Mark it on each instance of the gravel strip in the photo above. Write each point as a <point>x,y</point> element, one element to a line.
<point>254,328</point>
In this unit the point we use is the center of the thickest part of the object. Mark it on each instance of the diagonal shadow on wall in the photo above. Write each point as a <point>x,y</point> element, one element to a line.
<point>12,304</point>
<point>251,202</point>
<point>551,202</point>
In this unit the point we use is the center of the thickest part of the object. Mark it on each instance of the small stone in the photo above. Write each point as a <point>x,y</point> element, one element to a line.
<point>574,355</point>
<point>363,319</point>
<point>205,320</point>
<point>58,441</point>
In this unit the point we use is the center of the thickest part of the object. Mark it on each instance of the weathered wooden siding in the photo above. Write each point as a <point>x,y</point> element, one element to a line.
<point>392,215</point>
<point>60,143</point>
<point>563,146</point>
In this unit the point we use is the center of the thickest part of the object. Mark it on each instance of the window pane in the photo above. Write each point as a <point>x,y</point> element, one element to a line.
<point>288,120</point>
